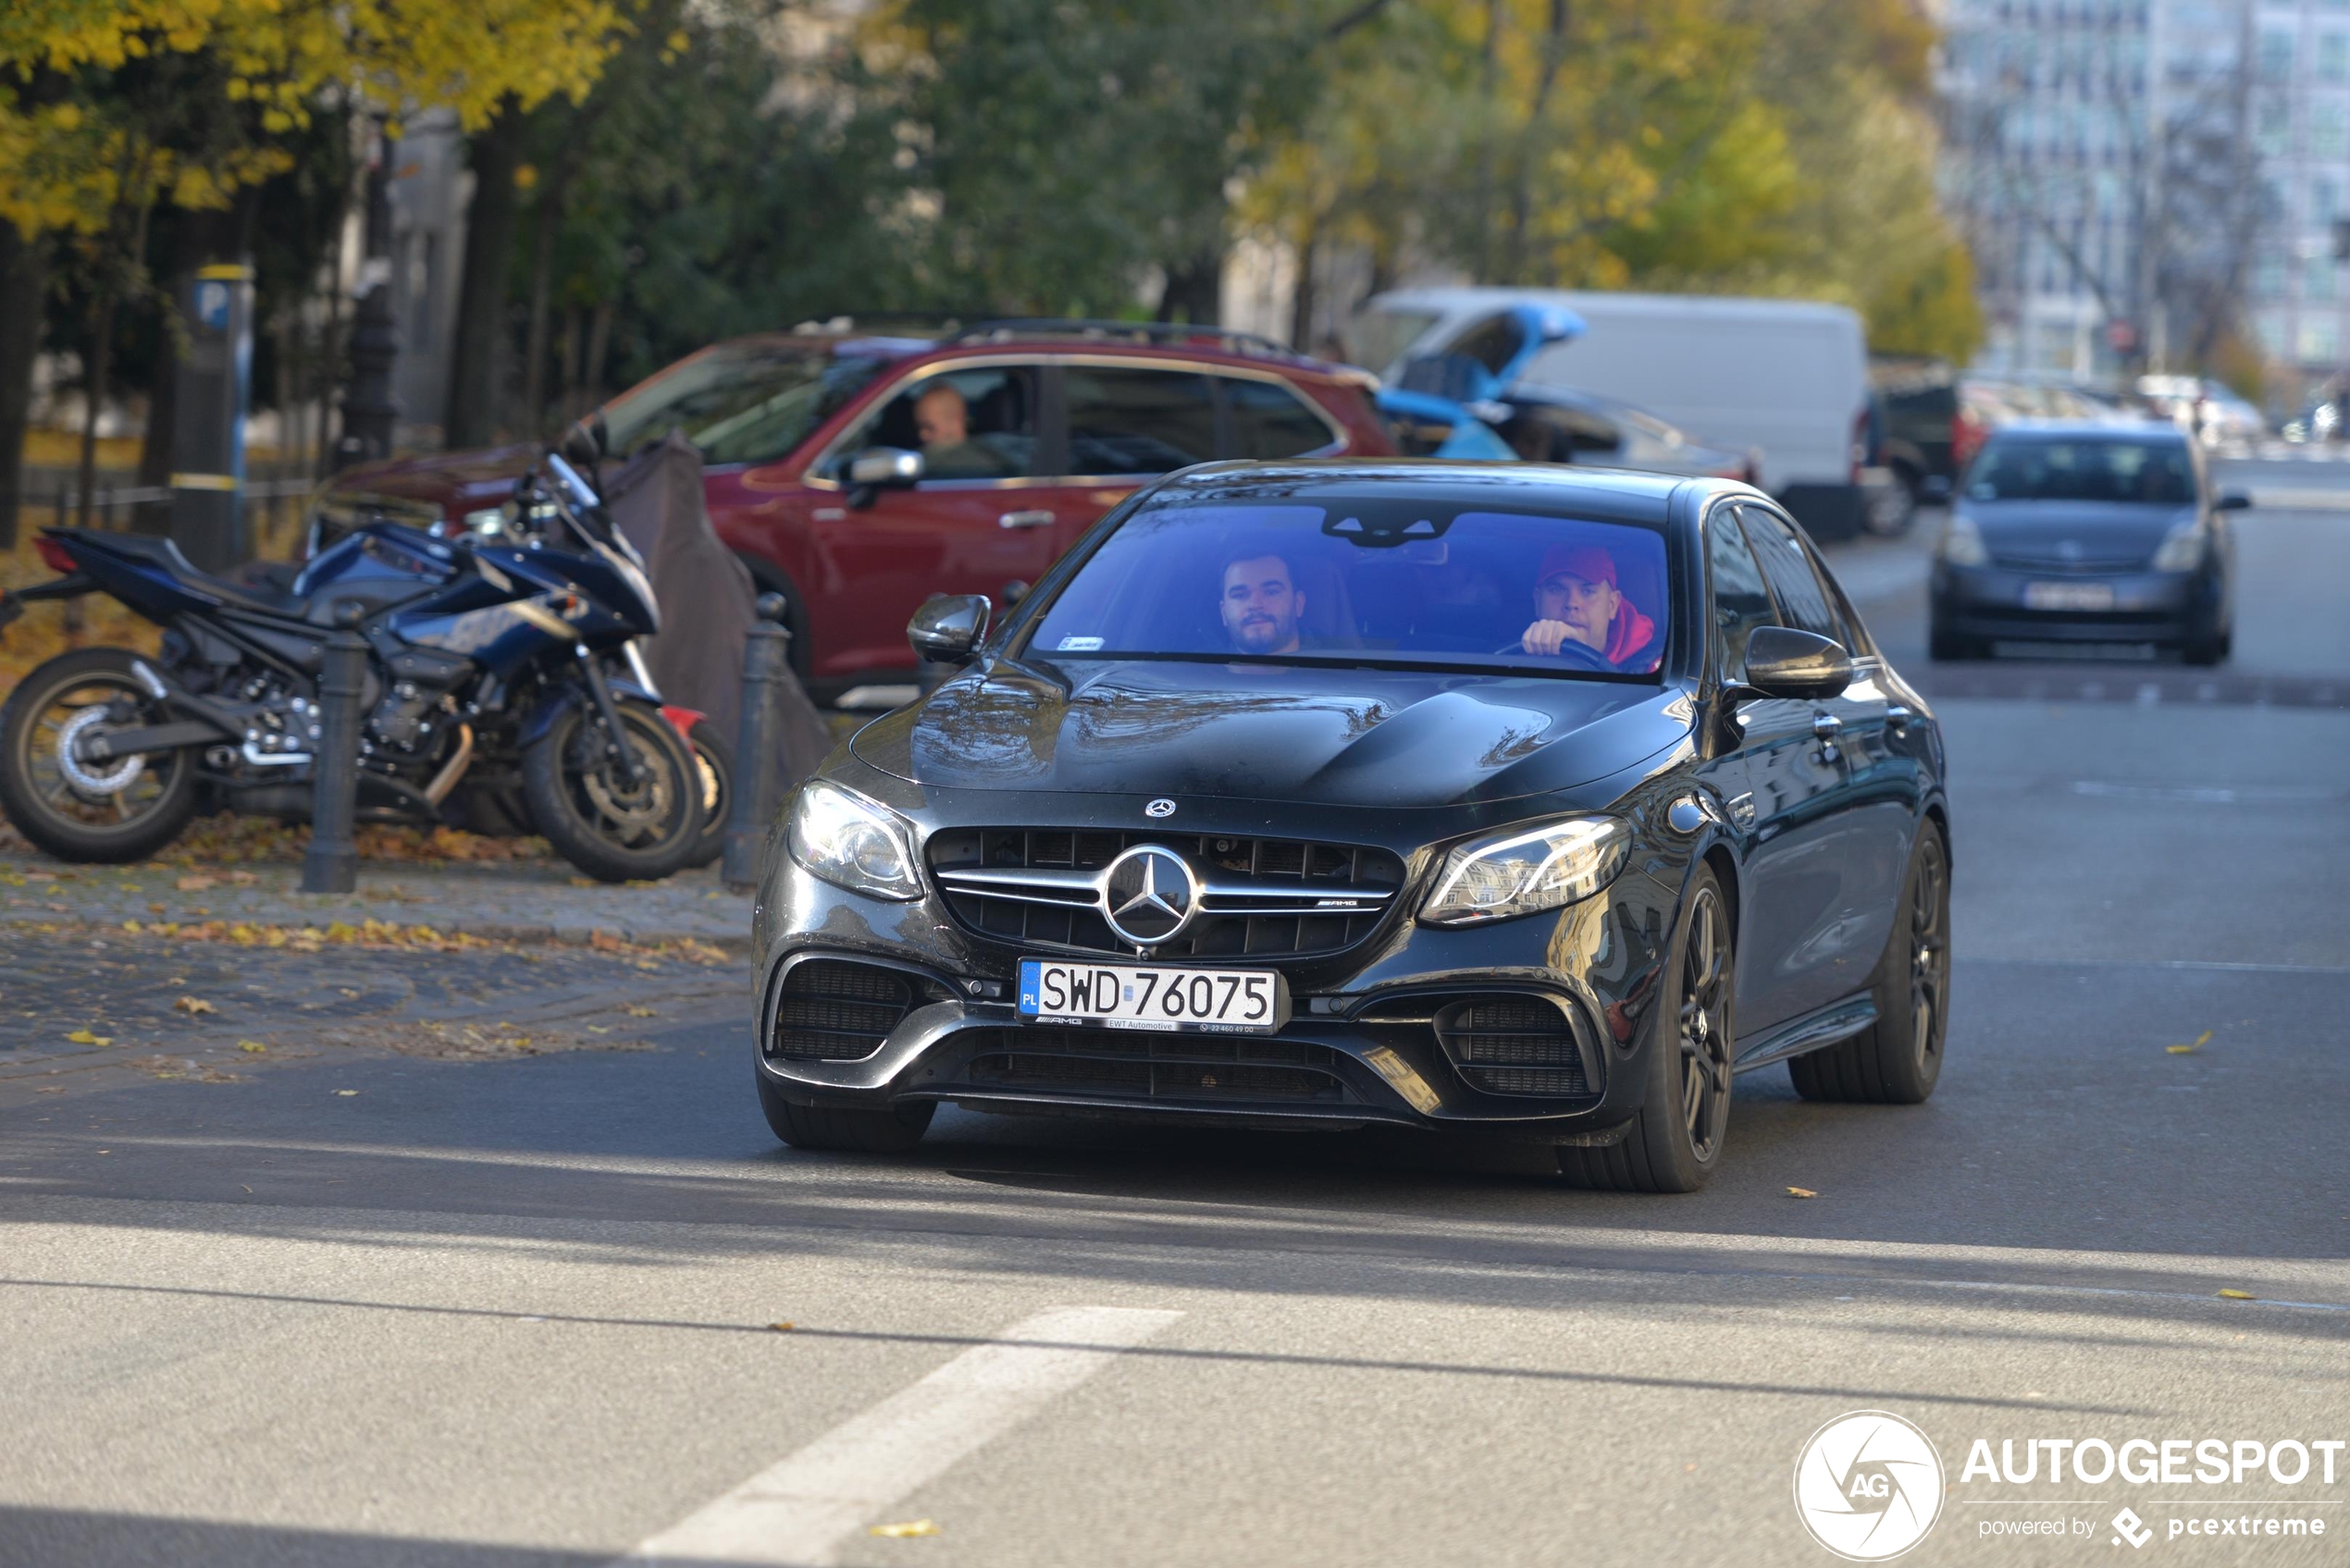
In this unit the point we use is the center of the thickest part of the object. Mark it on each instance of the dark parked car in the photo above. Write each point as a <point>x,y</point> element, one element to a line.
<point>1441,796</point>
<point>856,474</point>
<point>2086,532</point>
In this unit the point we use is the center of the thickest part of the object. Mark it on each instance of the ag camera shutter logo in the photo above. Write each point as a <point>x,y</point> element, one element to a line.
<point>1868,1486</point>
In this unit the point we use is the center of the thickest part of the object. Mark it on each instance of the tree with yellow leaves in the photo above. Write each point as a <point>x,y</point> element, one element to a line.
<point>109,108</point>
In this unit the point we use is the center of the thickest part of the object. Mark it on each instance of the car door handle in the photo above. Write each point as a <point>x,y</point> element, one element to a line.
<point>1039,519</point>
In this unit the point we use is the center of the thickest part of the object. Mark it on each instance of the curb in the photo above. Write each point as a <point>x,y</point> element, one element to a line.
<point>733,946</point>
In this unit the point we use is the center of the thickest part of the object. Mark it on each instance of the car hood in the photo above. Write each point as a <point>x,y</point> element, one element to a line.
<point>456,482</point>
<point>2075,532</point>
<point>1334,736</point>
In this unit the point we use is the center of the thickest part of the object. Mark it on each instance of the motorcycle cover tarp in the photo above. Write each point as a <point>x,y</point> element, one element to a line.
<point>706,603</point>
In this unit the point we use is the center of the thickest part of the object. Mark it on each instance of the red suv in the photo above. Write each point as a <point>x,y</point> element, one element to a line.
<point>859,474</point>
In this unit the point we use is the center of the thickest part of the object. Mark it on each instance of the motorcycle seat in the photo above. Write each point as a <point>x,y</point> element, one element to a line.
<point>263,596</point>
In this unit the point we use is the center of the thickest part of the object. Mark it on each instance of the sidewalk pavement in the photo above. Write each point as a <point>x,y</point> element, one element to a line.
<point>521,901</point>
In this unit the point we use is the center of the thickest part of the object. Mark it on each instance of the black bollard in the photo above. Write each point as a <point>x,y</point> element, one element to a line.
<point>332,864</point>
<point>766,654</point>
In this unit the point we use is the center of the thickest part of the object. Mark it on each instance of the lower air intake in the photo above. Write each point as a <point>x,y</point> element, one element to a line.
<point>831,1010</point>
<point>1513,1046</point>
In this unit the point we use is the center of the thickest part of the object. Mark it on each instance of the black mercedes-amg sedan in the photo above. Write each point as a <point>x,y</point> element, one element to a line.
<point>1512,798</point>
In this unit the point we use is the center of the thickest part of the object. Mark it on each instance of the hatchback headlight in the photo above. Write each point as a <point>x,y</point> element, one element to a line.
<point>852,843</point>
<point>2182,547</point>
<point>1499,879</point>
<point>1962,542</point>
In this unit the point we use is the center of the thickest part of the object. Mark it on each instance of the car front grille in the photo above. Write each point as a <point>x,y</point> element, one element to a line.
<point>831,1010</point>
<point>1132,1065</point>
<point>2028,559</point>
<point>1269,898</point>
<point>1513,1046</point>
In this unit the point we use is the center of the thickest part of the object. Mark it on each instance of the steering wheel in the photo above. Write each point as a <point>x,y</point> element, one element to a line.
<point>1574,652</point>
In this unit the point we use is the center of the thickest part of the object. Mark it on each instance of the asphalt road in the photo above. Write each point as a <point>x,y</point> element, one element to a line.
<point>374,1308</point>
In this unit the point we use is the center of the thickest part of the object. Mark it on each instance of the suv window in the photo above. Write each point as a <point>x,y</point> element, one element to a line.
<point>1269,421</point>
<point>1136,421</point>
<point>1801,599</point>
<point>1740,601</point>
<point>970,424</point>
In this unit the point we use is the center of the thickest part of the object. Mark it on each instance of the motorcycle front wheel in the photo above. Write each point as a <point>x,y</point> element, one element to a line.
<point>121,809</point>
<point>611,827</point>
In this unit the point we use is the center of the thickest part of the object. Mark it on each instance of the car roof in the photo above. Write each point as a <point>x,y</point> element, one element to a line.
<point>1449,298</point>
<point>898,338</point>
<point>1620,494</point>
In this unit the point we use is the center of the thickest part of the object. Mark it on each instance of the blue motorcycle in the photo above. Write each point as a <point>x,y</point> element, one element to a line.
<point>507,664</point>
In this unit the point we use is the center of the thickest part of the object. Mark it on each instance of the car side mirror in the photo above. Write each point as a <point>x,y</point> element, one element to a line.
<point>947,629</point>
<point>588,440</point>
<point>1782,661</point>
<point>2233,500</point>
<point>882,468</point>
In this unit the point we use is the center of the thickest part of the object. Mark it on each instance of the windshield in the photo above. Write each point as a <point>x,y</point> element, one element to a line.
<point>740,403</point>
<point>1380,580</point>
<point>2030,468</point>
<point>1376,337</point>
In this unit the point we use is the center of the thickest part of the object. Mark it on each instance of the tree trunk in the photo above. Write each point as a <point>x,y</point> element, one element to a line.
<point>1302,299</point>
<point>481,290</point>
<point>155,444</point>
<point>599,345</point>
<point>24,278</point>
<point>1194,289</point>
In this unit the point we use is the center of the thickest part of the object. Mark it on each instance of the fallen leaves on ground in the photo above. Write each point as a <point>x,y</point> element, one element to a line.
<point>84,1037</point>
<point>1800,1192</point>
<point>251,1047</point>
<point>635,1011</point>
<point>785,1327</point>
<point>346,1093</point>
<point>193,1004</point>
<point>2239,1295</point>
<point>906,1530</point>
<point>2191,1047</point>
<point>184,1068</point>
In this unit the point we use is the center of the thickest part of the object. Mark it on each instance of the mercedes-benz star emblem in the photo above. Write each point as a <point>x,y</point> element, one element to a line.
<point>1162,807</point>
<point>1149,894</point>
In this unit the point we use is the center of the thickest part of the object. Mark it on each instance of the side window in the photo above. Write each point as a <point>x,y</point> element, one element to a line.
<point>1268,420</point>
<point>1740,601</point>
<point>1801,599</point>
<point>974,423</point>
<point>1138,421</point>
<point>1492,343</point>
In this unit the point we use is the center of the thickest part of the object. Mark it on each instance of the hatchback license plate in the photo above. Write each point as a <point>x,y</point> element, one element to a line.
<point>2068,596</point>
<point>1151,996</point>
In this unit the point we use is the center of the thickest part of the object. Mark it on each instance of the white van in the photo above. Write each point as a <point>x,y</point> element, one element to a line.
<point>1789,378</point>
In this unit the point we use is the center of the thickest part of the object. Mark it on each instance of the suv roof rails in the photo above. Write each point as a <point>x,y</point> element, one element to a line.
<point>1254,344</point>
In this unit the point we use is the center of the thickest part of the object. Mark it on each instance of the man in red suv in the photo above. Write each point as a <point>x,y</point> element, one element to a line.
<point>1058,423</point>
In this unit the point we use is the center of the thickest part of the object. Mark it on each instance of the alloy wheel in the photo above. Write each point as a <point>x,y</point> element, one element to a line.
<point>1705,1026</point>
<point>1929,951</point>
<point>108,795</point>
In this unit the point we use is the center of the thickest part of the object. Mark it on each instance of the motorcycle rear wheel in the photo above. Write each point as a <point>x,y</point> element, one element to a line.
<point>714,759</point>
<point>607,827</point>
<point>101,813</point>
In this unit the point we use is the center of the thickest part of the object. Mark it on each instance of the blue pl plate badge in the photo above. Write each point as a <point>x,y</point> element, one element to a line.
<point>1029,969</point>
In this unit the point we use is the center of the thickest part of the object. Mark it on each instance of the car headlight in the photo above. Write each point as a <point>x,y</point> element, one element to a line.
<point>1962,542</point>
<point>2182,547</point>
<point>1502,878</point>
<point>852,843</point>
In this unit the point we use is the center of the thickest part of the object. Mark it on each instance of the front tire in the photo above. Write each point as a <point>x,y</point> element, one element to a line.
<point>581,799</point>
<point>891,1129</point>
<point>1675,1142</point>
<point>1898,1059</point>
<point>105,813</point>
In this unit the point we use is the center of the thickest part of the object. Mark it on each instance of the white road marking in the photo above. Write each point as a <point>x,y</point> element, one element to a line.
<point>796,1510</point>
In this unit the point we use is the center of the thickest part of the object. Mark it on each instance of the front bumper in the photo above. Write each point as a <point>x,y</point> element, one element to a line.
<point>1989,603</point>
<point>1362,1045</point>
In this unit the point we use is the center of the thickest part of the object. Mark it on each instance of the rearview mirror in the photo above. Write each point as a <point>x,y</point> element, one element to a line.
<point>587,440</point>
<point>946,630</point>
<point>1782,661</point>
<point>2233,500</point>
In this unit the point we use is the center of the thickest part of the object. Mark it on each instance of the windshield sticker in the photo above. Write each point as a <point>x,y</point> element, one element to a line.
<point>1079,645</point>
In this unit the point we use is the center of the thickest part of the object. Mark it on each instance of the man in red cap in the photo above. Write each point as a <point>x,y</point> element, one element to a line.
<point>1576,599</point>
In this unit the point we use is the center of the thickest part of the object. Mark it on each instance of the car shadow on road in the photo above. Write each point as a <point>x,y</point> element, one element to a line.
<point>50,1538</point>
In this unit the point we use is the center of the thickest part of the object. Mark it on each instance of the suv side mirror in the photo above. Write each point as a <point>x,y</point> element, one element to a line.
<point>1782,661</point>
<point>946,630</point>
<point>882,468</point>
<point>2233,500</point>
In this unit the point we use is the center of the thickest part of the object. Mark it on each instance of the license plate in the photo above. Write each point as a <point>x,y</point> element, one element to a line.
<point>1153,997</point>
<point>2068,596</point>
